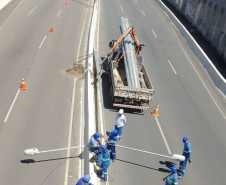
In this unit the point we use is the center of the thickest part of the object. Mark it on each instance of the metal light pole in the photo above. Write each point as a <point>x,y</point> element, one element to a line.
<point>35,151</point>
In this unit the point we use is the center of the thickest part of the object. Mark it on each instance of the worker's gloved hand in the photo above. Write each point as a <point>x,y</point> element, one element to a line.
<point>164,179</point>
<point>189,160</point>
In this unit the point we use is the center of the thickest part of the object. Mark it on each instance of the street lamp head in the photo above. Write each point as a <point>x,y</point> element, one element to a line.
<point>31,151</point>
<point>178,157</point>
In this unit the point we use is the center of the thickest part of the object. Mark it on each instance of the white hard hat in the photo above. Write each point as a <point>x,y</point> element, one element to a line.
<point>120,111</point>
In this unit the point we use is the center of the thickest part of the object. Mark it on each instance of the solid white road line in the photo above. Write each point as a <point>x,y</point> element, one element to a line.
<point>69,136</point>
<point>31,10</point>
<point>163,136</point>
<point>14,100</point>
<point>121,9</point>
<point>59,13</point>
<point>154,33</point>
<point>142,12</point>
<point>82,115</point>
<point>172,67</point>
<point>11,15</point>
<point>42,42</point>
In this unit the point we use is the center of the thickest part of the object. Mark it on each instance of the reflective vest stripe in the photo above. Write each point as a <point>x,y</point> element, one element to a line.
<point>171,181</point>
<point>106,159</point>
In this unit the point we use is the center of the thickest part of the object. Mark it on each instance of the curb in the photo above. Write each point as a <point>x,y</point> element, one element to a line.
<point>3,3</point>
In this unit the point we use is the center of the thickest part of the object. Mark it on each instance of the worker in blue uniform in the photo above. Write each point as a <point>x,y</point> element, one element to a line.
<point>172,178</point>
<point>120,121</point>
<point>105,162</point>
<point>187,154</point>
<point>84,180</point>
<point>112,140</point>
<point>94,145</point>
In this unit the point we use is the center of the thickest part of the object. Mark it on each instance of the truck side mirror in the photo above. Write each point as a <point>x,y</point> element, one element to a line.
<point>141,46</point>
<point>111,44</point>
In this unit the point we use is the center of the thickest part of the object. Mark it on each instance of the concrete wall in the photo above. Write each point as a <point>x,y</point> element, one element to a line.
<point>209,18</point>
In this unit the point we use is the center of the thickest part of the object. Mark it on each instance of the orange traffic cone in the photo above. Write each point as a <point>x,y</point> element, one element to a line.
<point>51,29</point>
<point>155,113</point>
<point>66,3</point>
<point>23,86</point>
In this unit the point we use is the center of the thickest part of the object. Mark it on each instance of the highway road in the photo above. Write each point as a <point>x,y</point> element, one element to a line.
<point>189,104</point>
<point>48,115</point>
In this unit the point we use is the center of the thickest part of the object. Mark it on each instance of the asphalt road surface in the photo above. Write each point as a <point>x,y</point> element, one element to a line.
<point>189,104</point>
<point>48,115</point>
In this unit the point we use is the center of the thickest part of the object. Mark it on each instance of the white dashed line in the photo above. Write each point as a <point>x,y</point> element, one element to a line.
<point>172,67</point>
<point>59,13</point>
<point>154,33</point>
<point>31,10</point>
<point>14,100</point>
<point>121,9</point>
<point>142,12</point>
<point>42,42</point>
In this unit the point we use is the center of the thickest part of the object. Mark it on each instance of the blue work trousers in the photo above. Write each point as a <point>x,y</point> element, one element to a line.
<point>99,157</point>
<point>111,148</point>
<point>119,131</point>
<point>104,170</point>
<point>183,165</point>
<point>98,154</point>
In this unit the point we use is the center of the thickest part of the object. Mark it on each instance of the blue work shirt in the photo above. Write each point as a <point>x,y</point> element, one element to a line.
<point>187,150</point>
<point>120,120</point>
<point>172,179</point>
<point>93,144</point>
<point>113,139</point>
<point>106,158</point>
<point>81,182</point>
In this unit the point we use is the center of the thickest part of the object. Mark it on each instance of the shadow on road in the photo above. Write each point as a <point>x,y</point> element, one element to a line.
<point>168,164</point>
<point>28,161</point>
<point>158,169</point>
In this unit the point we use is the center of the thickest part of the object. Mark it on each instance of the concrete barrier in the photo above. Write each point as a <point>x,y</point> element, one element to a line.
<point>213,73</point>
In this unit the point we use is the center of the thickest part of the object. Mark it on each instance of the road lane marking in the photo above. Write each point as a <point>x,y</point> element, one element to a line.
<point>42,42</point>
<point>69,136</point>
<point>172,67</point>
<point>31,10</point>
<point>163,136</point>
<point>142,12</point>
<point>82,112</point>
<point>154,33</point>
<point>14,100</point>
<point>121,9</point>
<point>59,13</point>
<point>200,76</point>
<point>11,15</point>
